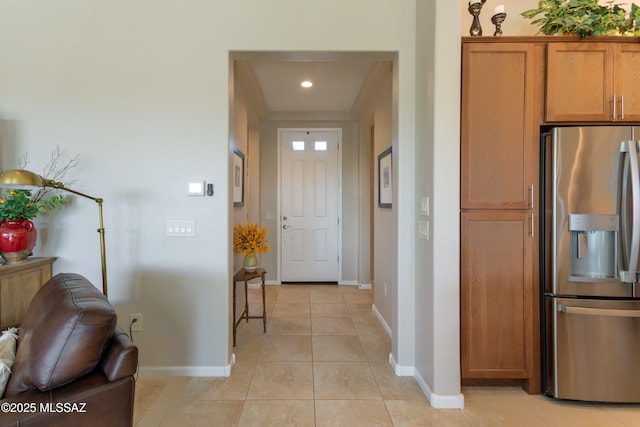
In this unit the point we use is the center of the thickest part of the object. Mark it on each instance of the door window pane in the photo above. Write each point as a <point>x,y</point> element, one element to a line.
<point>297,145</point>
<point>320,146</point>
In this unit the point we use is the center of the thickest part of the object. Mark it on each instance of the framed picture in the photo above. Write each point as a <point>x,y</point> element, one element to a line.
<point>238,178</point>
<point>385,179</point>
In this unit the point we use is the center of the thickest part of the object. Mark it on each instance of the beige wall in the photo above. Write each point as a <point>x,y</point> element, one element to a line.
<point>246,138</point>
<point>141,90</point>
<point>365,205</point>
<point>384,219</point>
<point>436,170</point>
<point>240,142</point>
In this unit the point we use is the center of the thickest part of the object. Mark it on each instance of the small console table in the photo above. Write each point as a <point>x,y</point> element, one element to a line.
<point>18,284</point>
<point>246,276</point>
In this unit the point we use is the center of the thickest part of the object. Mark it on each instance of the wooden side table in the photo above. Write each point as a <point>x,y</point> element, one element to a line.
<point>245,276</point>
<point>18,284</point>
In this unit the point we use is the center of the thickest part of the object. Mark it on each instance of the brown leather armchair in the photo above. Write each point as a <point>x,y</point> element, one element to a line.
<point>74,366</point>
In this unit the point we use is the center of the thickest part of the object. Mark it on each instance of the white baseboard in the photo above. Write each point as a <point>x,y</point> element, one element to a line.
<point>342,283</point>
<point>382,321</point>
<point>186,371</point>
<point>436,400</point>
<point>400,370</point>
<point>439,401</point>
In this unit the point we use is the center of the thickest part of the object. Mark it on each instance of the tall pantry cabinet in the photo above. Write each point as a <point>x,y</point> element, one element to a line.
<point>502,108</point>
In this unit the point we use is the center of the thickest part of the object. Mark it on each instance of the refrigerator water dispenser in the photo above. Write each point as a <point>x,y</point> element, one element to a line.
<point>593,246</point>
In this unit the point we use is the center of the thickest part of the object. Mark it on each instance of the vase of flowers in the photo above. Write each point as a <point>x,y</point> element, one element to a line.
<point>249,240</point>
<point>17,233</point>
<point>17,240</point>
<point>18,206</point>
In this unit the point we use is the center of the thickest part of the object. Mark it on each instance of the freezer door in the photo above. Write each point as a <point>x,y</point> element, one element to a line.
<point>583,193</point>
<point>594,347</point>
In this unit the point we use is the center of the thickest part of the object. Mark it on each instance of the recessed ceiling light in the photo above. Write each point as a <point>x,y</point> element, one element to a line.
<point>306,83</point>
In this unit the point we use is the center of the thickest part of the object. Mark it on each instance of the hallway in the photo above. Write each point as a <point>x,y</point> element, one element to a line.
<point>324,362</point>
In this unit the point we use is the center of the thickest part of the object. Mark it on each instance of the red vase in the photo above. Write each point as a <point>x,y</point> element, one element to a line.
<point>17,240</point>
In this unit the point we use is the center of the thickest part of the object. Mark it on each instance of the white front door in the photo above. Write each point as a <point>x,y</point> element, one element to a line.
<point>309,220</point>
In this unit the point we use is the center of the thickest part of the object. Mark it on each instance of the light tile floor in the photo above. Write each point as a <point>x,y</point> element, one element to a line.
<point>324,362</point>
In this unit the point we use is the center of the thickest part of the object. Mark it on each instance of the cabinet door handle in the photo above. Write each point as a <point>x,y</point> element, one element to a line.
<point>621,107</point>
<point>533,197</point>
<point>615,102</point>
<point>533,222</point>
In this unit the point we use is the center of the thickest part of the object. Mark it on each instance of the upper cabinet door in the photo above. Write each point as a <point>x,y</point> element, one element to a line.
<point>579,82</point>
<point>500,119</point>
<point>627,81</point>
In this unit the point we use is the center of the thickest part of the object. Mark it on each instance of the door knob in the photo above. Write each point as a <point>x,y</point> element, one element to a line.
<point>284,227</point>
<point>284,218</point>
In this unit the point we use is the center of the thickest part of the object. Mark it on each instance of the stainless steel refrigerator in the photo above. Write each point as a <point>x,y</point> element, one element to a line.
<point>590,259</point>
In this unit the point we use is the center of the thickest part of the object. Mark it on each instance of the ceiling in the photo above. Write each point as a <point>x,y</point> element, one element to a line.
<point>336,84</point>
<point>273,82</point>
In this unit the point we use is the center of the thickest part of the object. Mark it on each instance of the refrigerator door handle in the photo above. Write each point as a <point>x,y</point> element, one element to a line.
<point>586,311</point>
<point>622,208</point>
<point>629,247</point>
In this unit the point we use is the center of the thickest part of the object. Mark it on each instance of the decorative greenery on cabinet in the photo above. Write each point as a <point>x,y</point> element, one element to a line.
<point>585,18</point>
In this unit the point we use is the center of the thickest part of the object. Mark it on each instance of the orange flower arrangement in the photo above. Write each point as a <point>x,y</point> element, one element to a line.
<point>249,239</point>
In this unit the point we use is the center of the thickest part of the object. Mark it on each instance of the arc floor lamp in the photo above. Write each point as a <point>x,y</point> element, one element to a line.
<point>19,179</point>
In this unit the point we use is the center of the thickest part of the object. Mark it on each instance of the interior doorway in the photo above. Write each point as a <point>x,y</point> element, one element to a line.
<point>309,195</point>
<point>350,92</point>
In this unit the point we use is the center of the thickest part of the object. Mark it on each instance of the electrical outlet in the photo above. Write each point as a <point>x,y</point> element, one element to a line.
<point>385,289</point>
<point>135,321</point>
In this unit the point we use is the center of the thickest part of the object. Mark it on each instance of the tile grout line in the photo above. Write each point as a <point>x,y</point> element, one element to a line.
<point>313,360</point>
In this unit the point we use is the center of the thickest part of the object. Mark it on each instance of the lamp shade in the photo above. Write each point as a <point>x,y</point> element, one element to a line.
<point>20,179</point>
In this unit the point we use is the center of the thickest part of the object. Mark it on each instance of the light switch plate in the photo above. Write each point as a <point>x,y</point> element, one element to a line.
<point>423,230</point>
<point>424,206</point>
<point>181,228</point>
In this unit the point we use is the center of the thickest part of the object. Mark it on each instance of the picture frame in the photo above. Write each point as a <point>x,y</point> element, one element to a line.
<point>385,179</point>
<point>238,178</point>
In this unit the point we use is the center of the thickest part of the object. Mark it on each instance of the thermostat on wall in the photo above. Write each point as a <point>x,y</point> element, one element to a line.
<point>196,188</point>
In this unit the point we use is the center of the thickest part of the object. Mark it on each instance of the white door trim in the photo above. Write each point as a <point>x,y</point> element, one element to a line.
<point>279,196</point>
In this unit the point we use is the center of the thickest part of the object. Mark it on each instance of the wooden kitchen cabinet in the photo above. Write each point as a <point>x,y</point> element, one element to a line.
<point>501,111</point>
<point>497,302</point>
<point>593,81</point>
<point>626,81</point>
<point>510,88</point>
<point>499,129</point>
<point>18,284</point>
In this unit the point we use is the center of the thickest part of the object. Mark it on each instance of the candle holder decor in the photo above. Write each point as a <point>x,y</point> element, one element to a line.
<point>474,9</point>
<point>497,20</point>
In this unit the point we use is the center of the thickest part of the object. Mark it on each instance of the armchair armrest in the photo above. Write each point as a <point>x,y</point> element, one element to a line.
<point>121,357</point>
